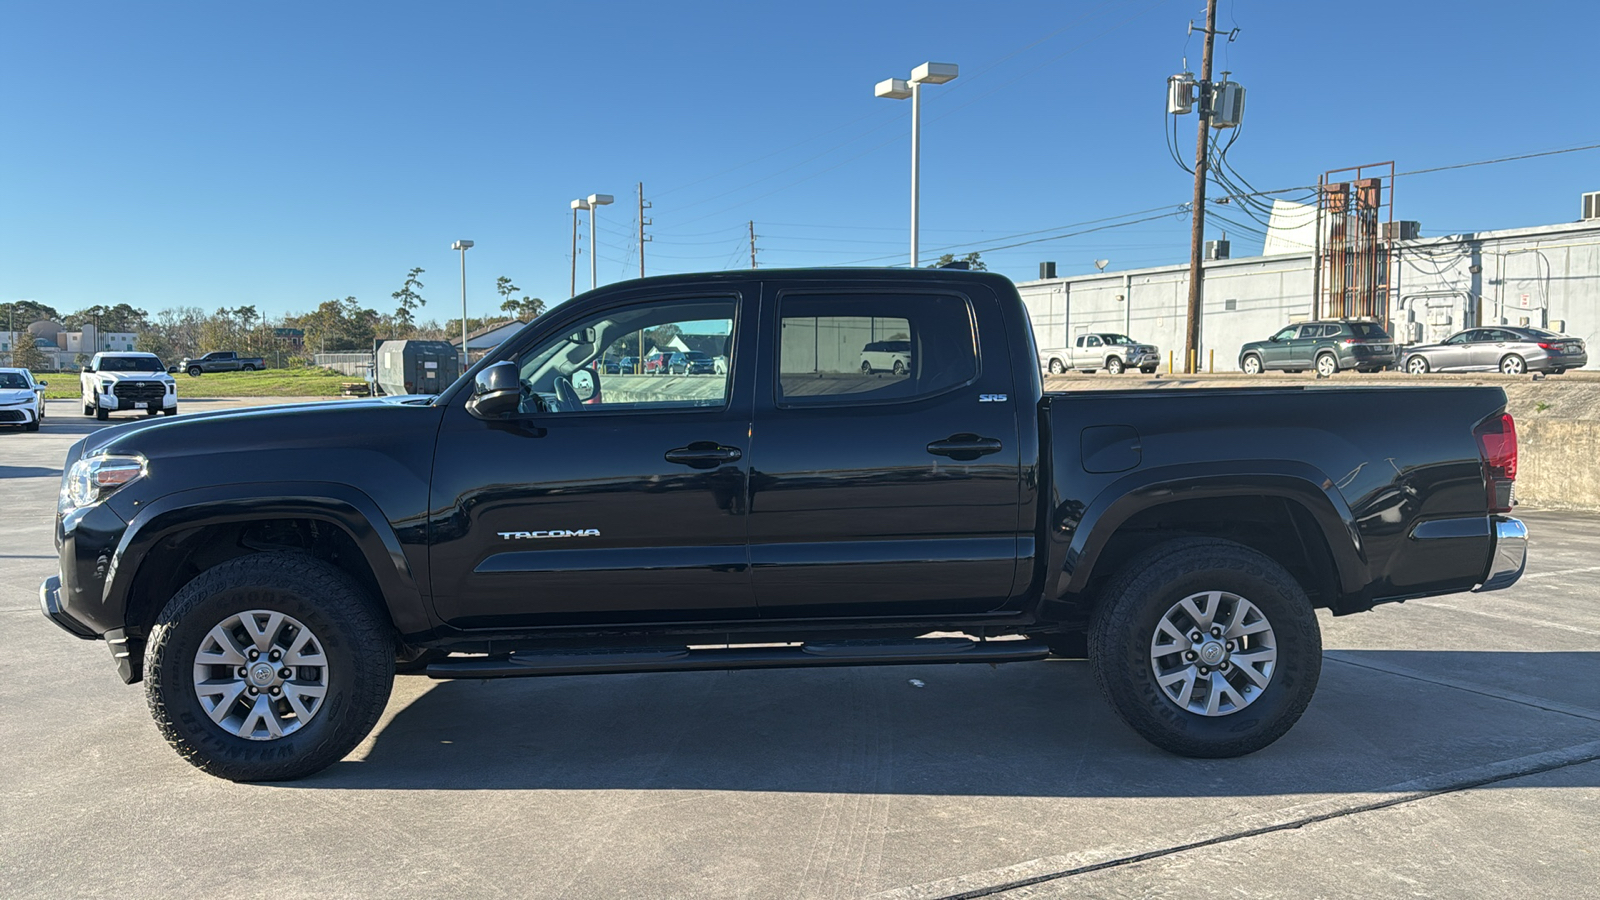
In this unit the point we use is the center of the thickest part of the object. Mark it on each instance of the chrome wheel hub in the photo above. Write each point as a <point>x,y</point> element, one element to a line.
<point>1213,653</point>
<point>260,675</point>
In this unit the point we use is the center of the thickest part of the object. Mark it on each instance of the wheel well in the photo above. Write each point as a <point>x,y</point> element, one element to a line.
<point>1276,526</point>
<point>180,557</point>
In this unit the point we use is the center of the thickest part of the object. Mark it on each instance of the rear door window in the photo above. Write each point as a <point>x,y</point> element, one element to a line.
<point>838,349</point>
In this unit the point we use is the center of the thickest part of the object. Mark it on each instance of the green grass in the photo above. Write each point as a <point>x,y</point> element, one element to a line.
<point>266,383</point>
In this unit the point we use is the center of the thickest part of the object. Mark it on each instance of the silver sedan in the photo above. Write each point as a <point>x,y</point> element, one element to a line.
<point>1501,348</point>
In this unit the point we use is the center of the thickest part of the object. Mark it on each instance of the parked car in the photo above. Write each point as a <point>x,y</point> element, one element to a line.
<point>1499,348</point>
<point>629,365</point>
<point>886,356</point>
<point>126,380</point>
<point>656,363</point>
<point>691,362</point>
<point>221,361</point>
<point>265,570</point>
<point>21,399</point>
<point>1328,347</point>
<point>1116,353</point>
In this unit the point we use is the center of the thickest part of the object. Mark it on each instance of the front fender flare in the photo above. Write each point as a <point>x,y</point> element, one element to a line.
<point>1136,492</point>
<point>338,504</point>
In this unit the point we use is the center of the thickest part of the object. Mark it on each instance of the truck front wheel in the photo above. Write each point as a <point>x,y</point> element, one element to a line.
<point>268,667</point>
<point>1114,365</point>
<point>1206,648</point>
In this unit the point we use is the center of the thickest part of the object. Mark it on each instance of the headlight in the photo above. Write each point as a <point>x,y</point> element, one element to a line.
<point>91,480</point>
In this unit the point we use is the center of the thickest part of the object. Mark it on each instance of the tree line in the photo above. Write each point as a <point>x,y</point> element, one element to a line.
<point>341,324</point>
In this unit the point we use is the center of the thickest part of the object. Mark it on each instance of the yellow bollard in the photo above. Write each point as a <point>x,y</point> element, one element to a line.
<point>1211,365</point>
<point>1169,362</point>
<point>1192,368</point>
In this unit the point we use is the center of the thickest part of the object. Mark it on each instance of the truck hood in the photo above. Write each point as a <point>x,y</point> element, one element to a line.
<point>265,429</point>
<point>162,377</point>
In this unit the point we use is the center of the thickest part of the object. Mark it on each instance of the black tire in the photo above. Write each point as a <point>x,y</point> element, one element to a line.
<point>247,368</point>
<point>866,367</point>
<point>1148,370</point>
<point>1057,367</point>
<point>1332,368</point>
<point>356,640</point>
<point>88,410</point>
<point>1512,364</point>
<point>1417,365</point>
<point>1558,371</point>
<point>31,426</point>
<point>1114,365</point>
<point>170,411</point>
<point>101,413</point>
<point>899,367</point>
<point>1248,359</point>
<point>1145,589</point>
<point>195,371</point>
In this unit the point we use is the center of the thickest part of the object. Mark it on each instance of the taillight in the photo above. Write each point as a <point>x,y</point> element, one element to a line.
<point>1545,345</point>
<point>1497,444</point>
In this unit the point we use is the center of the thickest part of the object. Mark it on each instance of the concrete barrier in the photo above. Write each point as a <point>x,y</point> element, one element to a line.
<point>1558,463</point>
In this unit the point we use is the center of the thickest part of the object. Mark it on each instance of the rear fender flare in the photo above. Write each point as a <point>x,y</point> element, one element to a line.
<point>1297,482</point>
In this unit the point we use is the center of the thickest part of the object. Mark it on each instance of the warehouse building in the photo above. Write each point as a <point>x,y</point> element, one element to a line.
<point>1547,276</point>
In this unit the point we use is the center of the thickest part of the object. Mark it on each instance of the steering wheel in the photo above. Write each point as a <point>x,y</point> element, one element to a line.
<point>566,395</point>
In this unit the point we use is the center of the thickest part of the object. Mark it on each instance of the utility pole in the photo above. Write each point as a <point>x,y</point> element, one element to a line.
<point>752,243</point>
<point>1197,234</point>
<point>642,223</point>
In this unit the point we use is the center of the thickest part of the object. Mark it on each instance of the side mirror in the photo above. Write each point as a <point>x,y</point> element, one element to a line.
<point>496,391</point>
<point>586,384</point>
<point>88,370</point>
<point>41,385</point>
<point>1273,339</point>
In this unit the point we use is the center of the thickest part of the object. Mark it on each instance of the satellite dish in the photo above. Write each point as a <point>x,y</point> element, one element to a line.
<point>1101,264</point>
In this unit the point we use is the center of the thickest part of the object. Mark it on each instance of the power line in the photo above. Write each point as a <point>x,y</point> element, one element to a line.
<point>1486,162</point>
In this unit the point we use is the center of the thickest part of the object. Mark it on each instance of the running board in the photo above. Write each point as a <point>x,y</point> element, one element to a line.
<point>685,659</point>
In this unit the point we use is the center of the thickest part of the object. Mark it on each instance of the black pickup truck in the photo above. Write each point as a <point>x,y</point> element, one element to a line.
<point>267,571</point>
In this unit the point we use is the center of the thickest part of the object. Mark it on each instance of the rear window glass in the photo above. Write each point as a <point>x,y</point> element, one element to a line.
<point>1370,330</point>
<point>847,349</point>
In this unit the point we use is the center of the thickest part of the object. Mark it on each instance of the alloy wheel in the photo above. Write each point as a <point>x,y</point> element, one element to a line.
<point>260,675</point>
<point>1213,653</point>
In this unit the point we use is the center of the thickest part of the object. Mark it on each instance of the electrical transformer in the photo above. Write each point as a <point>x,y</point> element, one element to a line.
<point>1227,104</point>
<point>1180,94</point>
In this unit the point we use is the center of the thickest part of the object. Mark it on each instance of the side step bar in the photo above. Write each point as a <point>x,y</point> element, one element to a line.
<point>685,659</point>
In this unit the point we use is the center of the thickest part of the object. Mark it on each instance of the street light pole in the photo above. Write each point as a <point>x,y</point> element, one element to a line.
<point>898,89</point>
<point>577,204</point>
<point>595,200</point>
<point>463,246</point>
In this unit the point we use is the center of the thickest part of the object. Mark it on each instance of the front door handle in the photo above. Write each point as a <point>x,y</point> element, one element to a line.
<point>703,455</point>
<point>965,446</point>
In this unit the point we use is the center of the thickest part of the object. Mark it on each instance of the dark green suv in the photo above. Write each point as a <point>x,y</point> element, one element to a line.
<point>1327,347</point>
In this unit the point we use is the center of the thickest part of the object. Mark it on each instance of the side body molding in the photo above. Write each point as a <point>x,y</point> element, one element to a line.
<point>1077,538</point>
<point>338,504</point>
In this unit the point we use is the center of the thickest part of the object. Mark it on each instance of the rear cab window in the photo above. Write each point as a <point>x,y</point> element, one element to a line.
<point>849,349</point>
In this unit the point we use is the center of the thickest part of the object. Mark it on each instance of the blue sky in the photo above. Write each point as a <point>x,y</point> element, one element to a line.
<point>285,154</point>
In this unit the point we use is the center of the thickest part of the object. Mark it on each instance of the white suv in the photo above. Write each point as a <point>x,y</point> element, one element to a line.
<point>113,382</point>
<point>21,399</point>
<point>886,356</point>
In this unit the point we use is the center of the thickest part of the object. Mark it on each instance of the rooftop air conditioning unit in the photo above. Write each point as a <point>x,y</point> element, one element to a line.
<point>1405,230</point>
<point>1591,206</point>
<point>1217,249</point>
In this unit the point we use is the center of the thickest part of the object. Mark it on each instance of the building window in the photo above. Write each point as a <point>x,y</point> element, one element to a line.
<point>1230,303</point>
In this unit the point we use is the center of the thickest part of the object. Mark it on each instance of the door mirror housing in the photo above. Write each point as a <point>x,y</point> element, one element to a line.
<point>39,386</point>
<point>586,384</point>
<point>496,391</point>
<point>88,370</point>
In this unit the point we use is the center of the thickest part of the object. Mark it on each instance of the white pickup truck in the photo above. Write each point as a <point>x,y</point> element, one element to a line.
<point>113,382</point>
<point>1116,353</point>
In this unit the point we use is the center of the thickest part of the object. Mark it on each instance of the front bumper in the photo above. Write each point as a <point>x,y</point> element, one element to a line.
<point>50,605</point>
<point>1510,555</point>
<point>17,415</point>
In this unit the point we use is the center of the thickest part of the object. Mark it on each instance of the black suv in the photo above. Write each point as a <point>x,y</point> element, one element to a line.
<point>1325,346</point>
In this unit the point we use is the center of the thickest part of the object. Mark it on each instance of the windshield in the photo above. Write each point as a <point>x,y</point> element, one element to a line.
<point>130,364</point>
<point>12,381</point>
<point>695,354</point>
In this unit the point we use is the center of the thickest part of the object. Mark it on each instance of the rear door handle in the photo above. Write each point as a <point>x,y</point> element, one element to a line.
<point>703,455</point>
<point>965,446</point>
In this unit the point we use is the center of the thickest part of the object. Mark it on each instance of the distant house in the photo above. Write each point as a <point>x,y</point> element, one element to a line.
<point>64,347</point>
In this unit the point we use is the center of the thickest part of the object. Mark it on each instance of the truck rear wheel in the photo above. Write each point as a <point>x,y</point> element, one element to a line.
<point>1206,648</point>
<point>268,668</point>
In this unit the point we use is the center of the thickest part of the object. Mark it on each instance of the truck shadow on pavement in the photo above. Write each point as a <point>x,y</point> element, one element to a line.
<point>1020,730</point>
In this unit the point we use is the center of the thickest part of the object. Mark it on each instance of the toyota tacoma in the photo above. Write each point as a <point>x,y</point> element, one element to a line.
<point>265,571</point>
